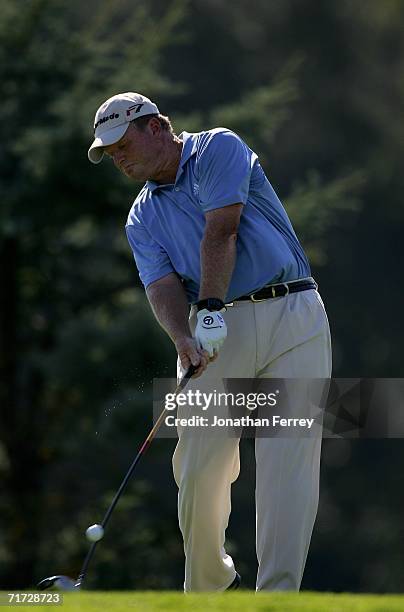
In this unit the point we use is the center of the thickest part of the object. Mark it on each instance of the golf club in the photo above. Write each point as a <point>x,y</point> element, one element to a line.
<point>65,583</point>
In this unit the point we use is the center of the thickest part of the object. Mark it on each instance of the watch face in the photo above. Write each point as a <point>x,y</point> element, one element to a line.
<point>214,304</point>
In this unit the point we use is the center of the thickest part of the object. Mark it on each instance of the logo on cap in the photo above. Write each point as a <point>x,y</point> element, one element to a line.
<point>134,107</point>
<point>107,118</point>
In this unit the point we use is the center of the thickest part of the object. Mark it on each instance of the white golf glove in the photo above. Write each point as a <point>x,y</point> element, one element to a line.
<point>210,331</point>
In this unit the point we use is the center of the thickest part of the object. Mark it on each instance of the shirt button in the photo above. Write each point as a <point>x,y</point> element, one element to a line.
<point>177,189</point>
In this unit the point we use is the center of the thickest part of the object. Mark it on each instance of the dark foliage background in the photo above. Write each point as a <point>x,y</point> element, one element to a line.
<point>316,88</point>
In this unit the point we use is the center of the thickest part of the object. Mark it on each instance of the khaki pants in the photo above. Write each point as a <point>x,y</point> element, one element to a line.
<point>286,337</point>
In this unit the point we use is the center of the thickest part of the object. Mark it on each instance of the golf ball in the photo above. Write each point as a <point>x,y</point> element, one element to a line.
<point>94,533</point>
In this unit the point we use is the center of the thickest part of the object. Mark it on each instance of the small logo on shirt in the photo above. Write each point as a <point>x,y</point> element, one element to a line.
<point>195,188</point>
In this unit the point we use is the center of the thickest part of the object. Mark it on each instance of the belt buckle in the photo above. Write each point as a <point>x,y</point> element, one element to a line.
<point>253,299</point>
<point>273,290</point>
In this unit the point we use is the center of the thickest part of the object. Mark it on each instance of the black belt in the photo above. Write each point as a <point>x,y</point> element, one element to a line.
<point>279,290</point>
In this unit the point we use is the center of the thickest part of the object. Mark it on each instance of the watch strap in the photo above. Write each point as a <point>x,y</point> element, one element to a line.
<point>211,304</point>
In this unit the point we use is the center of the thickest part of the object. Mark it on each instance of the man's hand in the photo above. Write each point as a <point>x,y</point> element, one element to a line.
<point>211,331</point>
<point>189,352</point>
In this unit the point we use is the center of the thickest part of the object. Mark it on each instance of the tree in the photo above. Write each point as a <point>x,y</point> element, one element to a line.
<point>66,273</point>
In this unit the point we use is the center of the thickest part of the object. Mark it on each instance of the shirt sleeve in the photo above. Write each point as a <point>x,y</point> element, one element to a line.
<point>151,260</point>
<point>225,164</point>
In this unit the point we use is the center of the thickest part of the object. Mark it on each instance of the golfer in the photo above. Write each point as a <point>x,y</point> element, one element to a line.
<point>229,282</point>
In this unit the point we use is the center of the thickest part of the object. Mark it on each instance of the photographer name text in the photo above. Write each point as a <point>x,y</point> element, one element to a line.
<point>245,421</point>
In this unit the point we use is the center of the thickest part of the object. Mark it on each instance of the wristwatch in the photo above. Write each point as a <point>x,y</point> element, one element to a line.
<point>211,304</point>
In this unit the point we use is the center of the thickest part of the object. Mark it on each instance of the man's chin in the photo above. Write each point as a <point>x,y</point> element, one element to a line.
<point>134,175</point>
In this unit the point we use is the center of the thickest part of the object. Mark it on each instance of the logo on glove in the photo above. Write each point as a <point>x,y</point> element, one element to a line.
<point>208,320</point>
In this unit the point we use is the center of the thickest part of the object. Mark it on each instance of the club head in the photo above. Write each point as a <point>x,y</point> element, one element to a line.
<point>64,583</point>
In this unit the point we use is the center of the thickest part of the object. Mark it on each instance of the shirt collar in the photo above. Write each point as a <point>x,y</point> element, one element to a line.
<point>188,149</point>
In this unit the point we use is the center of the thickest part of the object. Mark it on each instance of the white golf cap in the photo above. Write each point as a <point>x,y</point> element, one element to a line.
<point>112,120</point>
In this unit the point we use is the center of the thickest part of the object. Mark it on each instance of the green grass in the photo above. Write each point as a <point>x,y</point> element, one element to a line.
<point>246,601</point>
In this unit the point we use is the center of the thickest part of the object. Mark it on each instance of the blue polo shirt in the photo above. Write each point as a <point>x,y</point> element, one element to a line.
<point>166,223</point>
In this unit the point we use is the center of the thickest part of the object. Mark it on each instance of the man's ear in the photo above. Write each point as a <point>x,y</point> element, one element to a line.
<point>155,126</point>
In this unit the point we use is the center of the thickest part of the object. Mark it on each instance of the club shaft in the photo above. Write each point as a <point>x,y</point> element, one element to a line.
<point>129,473</point>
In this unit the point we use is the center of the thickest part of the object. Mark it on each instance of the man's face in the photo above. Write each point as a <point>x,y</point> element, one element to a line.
<point>137,153</point>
